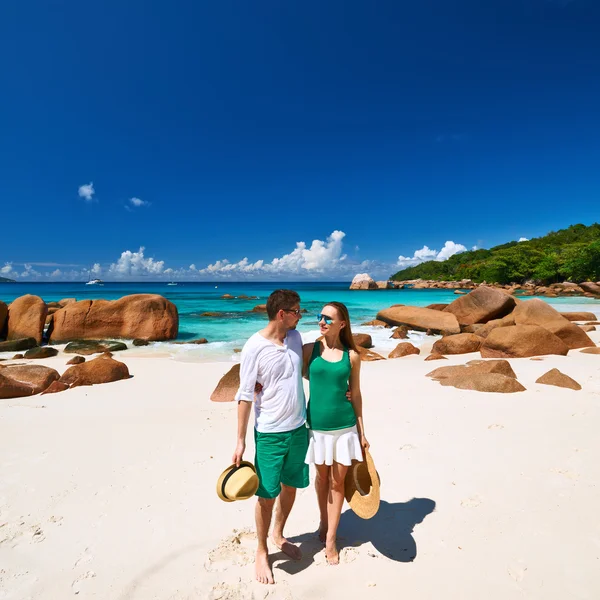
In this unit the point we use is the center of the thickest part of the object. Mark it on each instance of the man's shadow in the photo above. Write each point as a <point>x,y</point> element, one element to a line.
<point>390,532</point>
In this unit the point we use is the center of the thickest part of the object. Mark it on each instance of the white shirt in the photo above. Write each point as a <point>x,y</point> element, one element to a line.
<point>280,406</point>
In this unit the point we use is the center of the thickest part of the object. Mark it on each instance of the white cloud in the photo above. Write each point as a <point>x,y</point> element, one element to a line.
<point>30,272</point>
<point>320,257</point>
<point>135,264</point>
<point>87,191</point>
<point>137,202</point>
<point>523,239</point>
<point>425,253</point>
<point>450,249</point>
<point>8,271</point>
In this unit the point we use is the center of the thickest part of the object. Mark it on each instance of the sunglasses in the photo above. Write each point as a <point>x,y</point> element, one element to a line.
<point>294,311</point>
<point>321,317</point>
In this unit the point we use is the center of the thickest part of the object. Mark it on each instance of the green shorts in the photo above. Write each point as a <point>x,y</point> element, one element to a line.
<point>280,459</point>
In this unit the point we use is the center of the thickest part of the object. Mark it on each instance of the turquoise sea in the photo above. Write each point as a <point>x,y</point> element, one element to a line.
<point>231,330</point>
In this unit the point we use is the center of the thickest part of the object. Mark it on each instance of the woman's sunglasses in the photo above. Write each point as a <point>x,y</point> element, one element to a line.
<point>321,317</point>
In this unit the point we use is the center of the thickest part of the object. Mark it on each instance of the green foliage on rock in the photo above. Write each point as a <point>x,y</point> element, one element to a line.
<point>569,254</point>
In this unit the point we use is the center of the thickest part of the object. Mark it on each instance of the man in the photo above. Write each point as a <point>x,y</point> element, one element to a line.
<point>272,357</point>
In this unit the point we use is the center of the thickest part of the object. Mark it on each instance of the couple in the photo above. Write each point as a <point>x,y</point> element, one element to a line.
<point>275,359</point>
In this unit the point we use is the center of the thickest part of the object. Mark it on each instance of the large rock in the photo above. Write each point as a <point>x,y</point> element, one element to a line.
<point>363,281</point>
<point>3,319</point>
<point>484,382</point>
<point>555,377</point>
<point>484,330</point>
<point>578,316</point>
<point>437,306</point>
<point>102,369</point>
<point>501,367</point>
<point>404,349</point>
<point>481,305</point>
<point>26,318</point>
<point>144,316</point>
<point>16,345</point>
<point>259,308</point>
<point>537,312</point>
<point>88,347</point>
<point>591,287</point>
<point>363,340</point>
<point>228,386</point>
<point>25,380</point>
<point>520,341</point>
<point>421,319</point>
<point>41,352</point>
<point>461,343</point>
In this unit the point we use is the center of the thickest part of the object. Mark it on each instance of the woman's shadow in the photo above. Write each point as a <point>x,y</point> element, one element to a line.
<point>390,532</point>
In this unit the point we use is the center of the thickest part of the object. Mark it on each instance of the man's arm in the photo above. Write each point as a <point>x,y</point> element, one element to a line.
<point>245,397</point>
<point>243,413</point>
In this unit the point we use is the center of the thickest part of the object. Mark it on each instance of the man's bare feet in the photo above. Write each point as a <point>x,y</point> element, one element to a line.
<point>331,553</point>
<point>263,568</point>
<point>287,547</point>
<point>323,531</point>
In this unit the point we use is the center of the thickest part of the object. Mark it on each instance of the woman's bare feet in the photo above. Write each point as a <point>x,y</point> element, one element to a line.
<point>331,553</point>
<point>263,568</point>
<point>323,531</point>
<point>287,547</point>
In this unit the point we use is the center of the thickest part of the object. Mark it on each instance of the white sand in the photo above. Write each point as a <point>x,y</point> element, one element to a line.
<point>109,491</point>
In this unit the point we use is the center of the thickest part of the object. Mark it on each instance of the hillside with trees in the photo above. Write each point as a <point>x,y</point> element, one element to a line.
<point>571,254</point>
<point>7,280</point>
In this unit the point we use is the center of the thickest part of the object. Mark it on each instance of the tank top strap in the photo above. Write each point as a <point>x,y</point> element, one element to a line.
<point>316,351</point>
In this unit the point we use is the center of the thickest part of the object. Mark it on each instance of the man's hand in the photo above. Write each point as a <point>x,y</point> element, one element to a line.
<point>239,453</point>
<point>349,395</point>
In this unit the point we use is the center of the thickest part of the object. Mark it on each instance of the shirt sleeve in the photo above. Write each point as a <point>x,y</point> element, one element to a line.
<point>248,374</point>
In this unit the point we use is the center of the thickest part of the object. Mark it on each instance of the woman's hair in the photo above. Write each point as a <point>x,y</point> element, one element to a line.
<point>346,332</point>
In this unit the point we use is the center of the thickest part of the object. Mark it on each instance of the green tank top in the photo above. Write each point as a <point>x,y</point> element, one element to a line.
<point>328,408</point>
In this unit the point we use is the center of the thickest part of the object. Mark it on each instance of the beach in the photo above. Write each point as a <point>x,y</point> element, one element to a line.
<point>108,491</point>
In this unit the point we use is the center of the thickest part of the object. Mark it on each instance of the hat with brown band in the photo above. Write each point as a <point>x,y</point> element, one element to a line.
<point>237,483</point>
<point>362,487</point>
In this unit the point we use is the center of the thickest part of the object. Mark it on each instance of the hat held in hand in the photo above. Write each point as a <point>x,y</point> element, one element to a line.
<point>237,483</point>
<point>362,487</point>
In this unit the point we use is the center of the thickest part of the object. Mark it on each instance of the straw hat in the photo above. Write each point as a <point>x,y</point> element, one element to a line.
<point>237,483</point>
<point>362,487</point>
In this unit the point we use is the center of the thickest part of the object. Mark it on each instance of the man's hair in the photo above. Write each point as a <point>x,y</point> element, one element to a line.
<point>281,300</point>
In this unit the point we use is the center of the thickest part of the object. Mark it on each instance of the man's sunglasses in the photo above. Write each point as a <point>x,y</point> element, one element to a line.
<point>321,317</point>
<point>295,311</point>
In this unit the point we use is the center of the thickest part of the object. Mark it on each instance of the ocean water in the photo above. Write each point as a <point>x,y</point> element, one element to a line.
<point>230,330</point>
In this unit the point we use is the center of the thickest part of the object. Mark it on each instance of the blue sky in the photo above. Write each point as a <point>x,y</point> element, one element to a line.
<point>312,139</point>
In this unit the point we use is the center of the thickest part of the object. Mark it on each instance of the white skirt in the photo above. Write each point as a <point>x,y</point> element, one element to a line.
<point>340,445</point>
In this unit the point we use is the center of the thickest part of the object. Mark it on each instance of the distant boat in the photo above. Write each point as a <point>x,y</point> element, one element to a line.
<point>91,281</point>
<point>172,283</point>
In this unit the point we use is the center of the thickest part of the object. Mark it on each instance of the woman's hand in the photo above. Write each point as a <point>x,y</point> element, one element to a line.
<point>258,388</point>
<point>364,443</point>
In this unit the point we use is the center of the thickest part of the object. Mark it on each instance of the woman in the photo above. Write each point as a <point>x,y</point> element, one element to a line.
<point>337,435</point>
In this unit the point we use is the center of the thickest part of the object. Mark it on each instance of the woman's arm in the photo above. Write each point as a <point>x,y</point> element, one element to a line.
<point>306,354</point>
<point>357,397</point>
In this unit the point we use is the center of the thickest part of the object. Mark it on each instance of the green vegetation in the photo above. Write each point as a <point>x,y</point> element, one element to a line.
<point>6,280</point>
<point>569,254</point>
